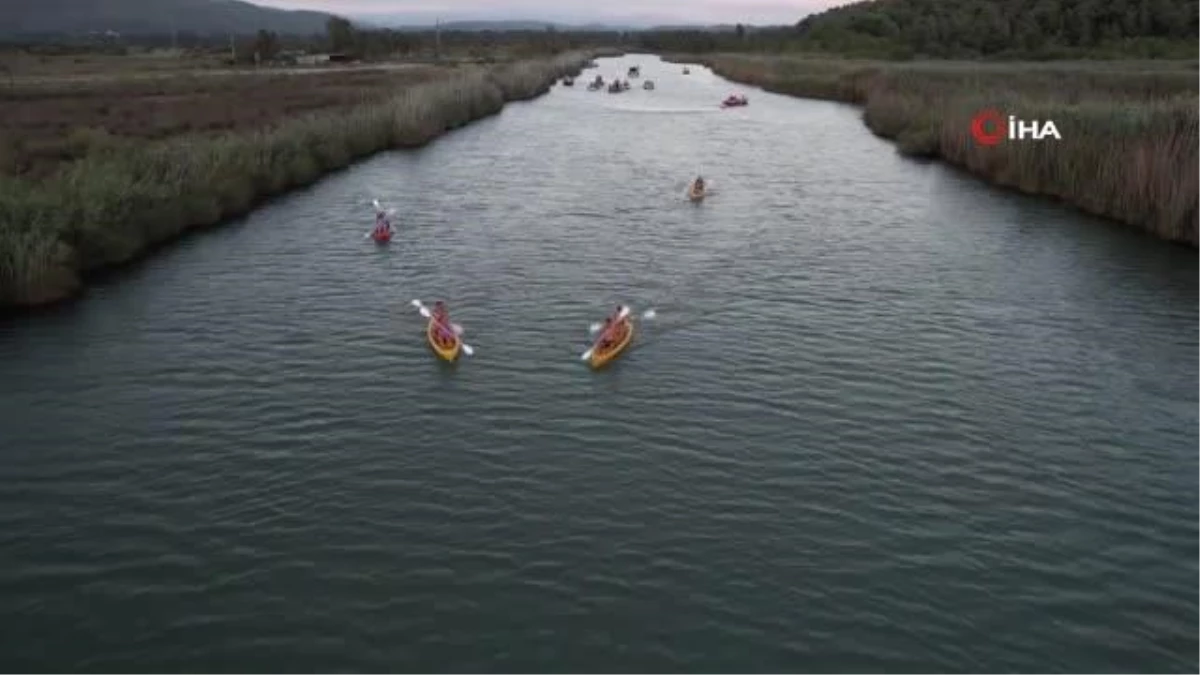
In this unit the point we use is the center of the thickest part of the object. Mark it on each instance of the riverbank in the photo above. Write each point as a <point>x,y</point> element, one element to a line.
<point>119,197</point>
<point>1129,130</point>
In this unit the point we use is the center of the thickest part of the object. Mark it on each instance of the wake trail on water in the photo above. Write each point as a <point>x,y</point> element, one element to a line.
<point>667,322</point>
<point>665,111</point>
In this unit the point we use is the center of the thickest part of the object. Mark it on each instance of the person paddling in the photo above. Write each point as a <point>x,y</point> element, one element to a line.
<point>609,333</point>
<point>442,317</point>
<point>605,340</point>
<point>383,225</point>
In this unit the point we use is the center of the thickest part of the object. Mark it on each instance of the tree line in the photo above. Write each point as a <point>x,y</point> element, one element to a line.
<point>967,29</point>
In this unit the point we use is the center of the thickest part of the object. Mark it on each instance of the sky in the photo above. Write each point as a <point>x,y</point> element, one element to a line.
<point>755,12</point>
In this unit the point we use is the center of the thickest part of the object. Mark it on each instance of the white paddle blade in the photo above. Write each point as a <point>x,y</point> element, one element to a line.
<point>586,355</point>
<point>416,303</point>
<point>594,327</point>
<point>424,312</point>
<point>623,313</point>
<point>375,203</point>
<point>649,314</point>
<point>458,330</point>
<point>468,349</point>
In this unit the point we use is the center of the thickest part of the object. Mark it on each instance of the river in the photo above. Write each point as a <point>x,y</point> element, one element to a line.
<point>888,417</point>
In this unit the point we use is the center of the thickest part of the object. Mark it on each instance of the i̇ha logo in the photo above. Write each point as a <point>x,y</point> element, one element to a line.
<point>989,127</point>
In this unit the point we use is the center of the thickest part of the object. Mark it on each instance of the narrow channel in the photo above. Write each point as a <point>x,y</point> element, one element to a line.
<point>887,418</point>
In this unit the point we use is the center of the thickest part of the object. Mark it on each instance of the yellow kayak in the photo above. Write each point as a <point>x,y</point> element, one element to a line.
<point>601,357</point>
<point>447,350</point>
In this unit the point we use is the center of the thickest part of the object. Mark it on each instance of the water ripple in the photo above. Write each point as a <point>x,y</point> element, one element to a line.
<point>887,418</point>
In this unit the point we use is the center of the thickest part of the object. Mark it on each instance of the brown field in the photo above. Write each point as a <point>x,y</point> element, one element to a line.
<point>23,65</point>
<point>52,118</point>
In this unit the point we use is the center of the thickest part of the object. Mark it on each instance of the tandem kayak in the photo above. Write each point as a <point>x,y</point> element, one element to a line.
<point>446,349</point>
<point>602,356</point>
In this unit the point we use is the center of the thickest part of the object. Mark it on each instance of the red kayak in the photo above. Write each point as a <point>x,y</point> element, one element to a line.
<point>734,101</point>
<point>381,236</point>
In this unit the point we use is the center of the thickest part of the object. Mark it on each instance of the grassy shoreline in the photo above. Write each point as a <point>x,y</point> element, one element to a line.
<point>121,200</point>
<point>1129,147</point>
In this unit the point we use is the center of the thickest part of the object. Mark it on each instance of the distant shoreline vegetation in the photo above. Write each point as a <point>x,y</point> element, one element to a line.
<point>965,29</point>
<point>1129,151</point>
<point>124,196</point>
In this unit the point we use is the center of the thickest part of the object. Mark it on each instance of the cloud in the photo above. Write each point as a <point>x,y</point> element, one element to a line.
<point>693,11</point>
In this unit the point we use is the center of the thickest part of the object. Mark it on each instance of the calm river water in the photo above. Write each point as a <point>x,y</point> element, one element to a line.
<point>888,418</point>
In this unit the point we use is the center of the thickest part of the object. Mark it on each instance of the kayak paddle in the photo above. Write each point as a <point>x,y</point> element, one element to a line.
<point>457,329</point>
<point>648,314</point>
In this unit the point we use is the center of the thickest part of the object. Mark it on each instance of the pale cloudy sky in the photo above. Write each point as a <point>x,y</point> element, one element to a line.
<point>654,11</point>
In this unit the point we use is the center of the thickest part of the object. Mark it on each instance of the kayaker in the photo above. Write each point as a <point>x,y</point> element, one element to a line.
<point>604,341</point>
<point>699,183</point>
<point>382,224</point>
<point>442,317</point>
<point>608,333</point>
<point>615,334</point>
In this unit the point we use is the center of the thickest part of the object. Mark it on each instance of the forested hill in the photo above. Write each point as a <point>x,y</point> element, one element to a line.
<point>970,29</point>
<point>989,27</point>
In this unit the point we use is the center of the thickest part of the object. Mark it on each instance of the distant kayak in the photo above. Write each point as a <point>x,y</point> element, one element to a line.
<point>382,232</point>
<point>696,193</point>
<point>734,101</point>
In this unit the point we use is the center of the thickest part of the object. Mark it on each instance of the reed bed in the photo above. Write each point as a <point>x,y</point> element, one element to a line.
<point>1129,130</point>
<point>121,198</point>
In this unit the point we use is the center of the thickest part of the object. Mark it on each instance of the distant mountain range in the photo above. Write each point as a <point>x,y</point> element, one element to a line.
<point>139,17</point>
<point>473,26</point>
<point>423,21</point>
